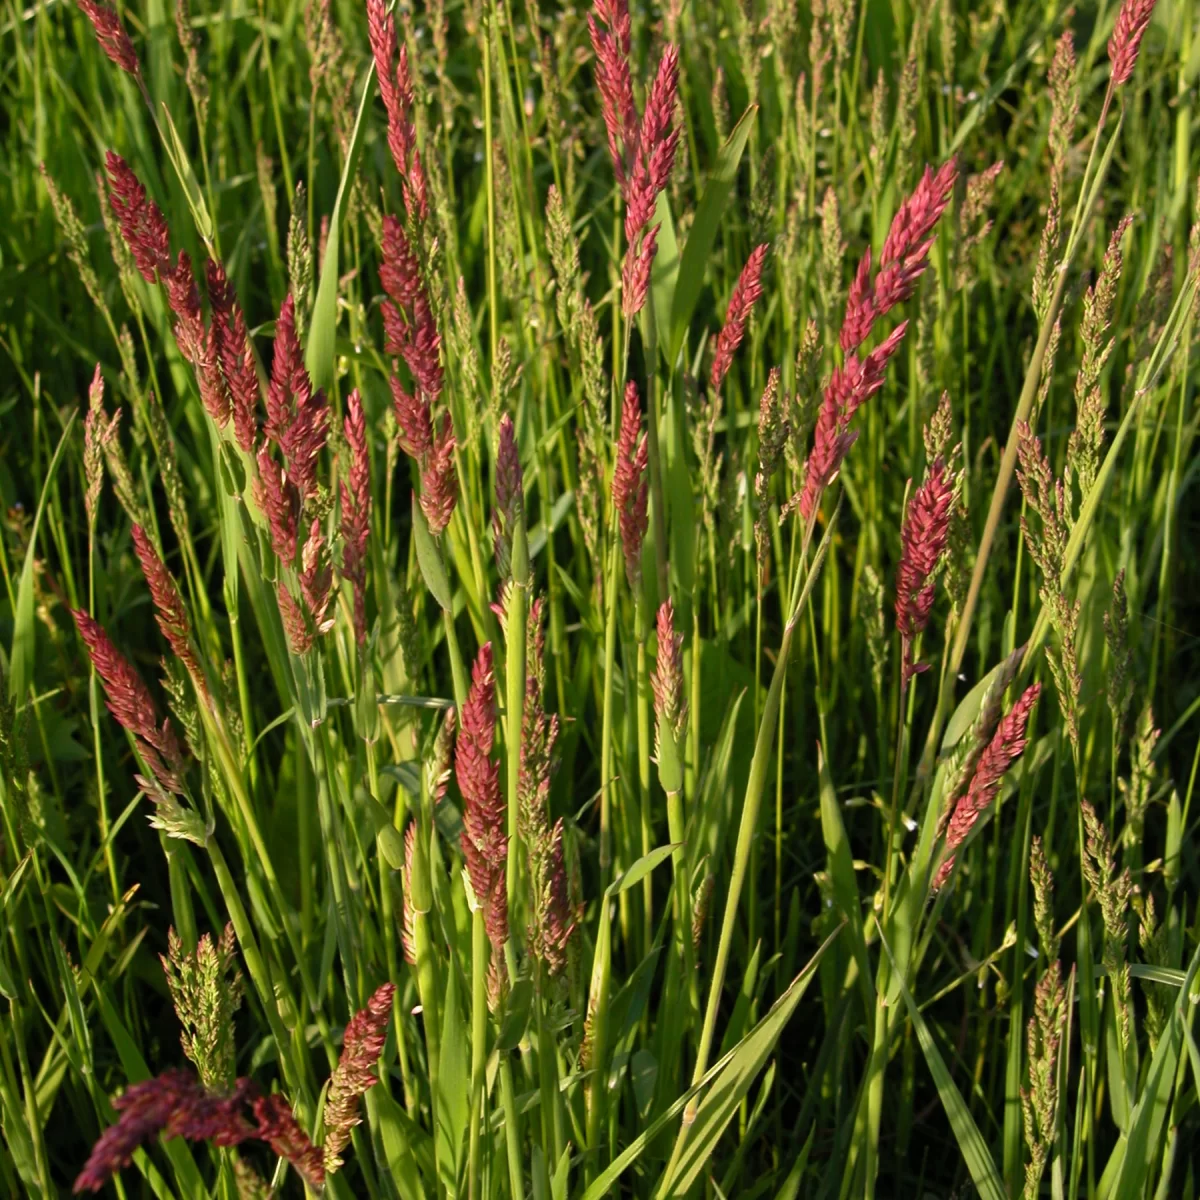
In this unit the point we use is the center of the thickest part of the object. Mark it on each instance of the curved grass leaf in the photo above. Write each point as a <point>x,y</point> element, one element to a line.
<point>20,658</point>
<point>698,249</point>
<point>987,1178</point>
<point>724,1097</point>
<point>322,335</point>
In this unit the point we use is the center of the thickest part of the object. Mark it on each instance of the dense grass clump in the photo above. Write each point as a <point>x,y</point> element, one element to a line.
<point>599,603</point>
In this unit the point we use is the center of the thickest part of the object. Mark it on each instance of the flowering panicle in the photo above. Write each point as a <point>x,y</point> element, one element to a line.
<point>902,262</point>
<point>99,430</point>
<point>666,681</point>
<point>1047,497</point>
<point>396,91</point>
<point>206,990</point>
<point>1039,1103</point>
<point>630,486</point>
<point>168,603</point>
<point>1113,888</point>
<point>484,843</point>
<point>1132,22</point>
<point>643,149</point>
<point>354,1074</point>
<point>297,417</point>
<point>773,432</point>
<point>111,35</point>
<point>1083,446</point>
<point>278,1127</point>
<point>276,496</point>
<point>196,343</point>
<point>232,345</point>
<point>1006,746</point>
<point>174,1104</point>
<point>143,226</point>
<point>746,293</point>
<point>922,542</point>
<point>130,702</point>
<point>510,494</point>
<point>551,921</point>
<point>356,510</point>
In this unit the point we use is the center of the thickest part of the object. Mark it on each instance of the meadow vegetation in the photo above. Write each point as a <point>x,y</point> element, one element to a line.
<point>598,602</point>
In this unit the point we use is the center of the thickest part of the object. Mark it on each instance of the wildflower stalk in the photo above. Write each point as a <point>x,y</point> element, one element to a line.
<point>516,604</point>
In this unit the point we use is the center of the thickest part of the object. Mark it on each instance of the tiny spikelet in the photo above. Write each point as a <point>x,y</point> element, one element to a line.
<point>746,293</point>
<point>111,35</point>
<point>354,1074</point>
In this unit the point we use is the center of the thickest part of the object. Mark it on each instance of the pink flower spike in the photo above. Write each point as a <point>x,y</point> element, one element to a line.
<point>111,35</point>
<point>1132,22</point>
<point>746,292</point>
<point>630,486</point>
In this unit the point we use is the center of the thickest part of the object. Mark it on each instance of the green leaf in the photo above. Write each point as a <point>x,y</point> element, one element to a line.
<point>391,842</point>
<point>452,1086</point>
<point>727,1091</point>
<point>841,874</point>
<point>322,335</point>
<point>429,558</point>
<point>665,269</point>
<point>641,869</point>
<point>400,1138</point>
<point>986,1177</point>
<point>178,155</point>
<point>1138,1154</point>
<point>516,1014</point>
<point>20,658</point>
<point>698,250</point>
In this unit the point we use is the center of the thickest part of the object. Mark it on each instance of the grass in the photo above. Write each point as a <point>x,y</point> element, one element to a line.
<point>781,920</point>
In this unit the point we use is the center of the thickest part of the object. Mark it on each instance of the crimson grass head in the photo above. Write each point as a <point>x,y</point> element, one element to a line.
<point>110,33</point>
<point>1007,745</point>
<point>746,293</point>
<point>1132,22</point>
<point>630,486</point>
<point>355,491</point>
<point>922,542</point>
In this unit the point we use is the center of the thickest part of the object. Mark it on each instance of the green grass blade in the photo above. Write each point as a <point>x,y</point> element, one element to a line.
<point>697,251</point>
<point>726,1092</point>
<point>21,653</point>
<point>978,1158</point>
<point>322,336</point>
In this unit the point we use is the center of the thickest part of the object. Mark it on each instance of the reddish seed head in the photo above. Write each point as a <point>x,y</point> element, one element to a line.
<point>510,494</point>
<point>922,541</point>
<point>1132,22</point>
<point>439,481</point>
<point>277,1125</point>
<point>610,31</point>
<point>354,1073</point>
<point>168,604</point>
<point>1006,746</point>
<point>667,678</point>
<point>111,35</point>
<point>356,510</point>
<point>746,292</point>
<point>232,346</point>
<point>130,703</point>
<point>142,224</point>
<point>484,844</point>
<point>630,486</point>
<point>280,504</point>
